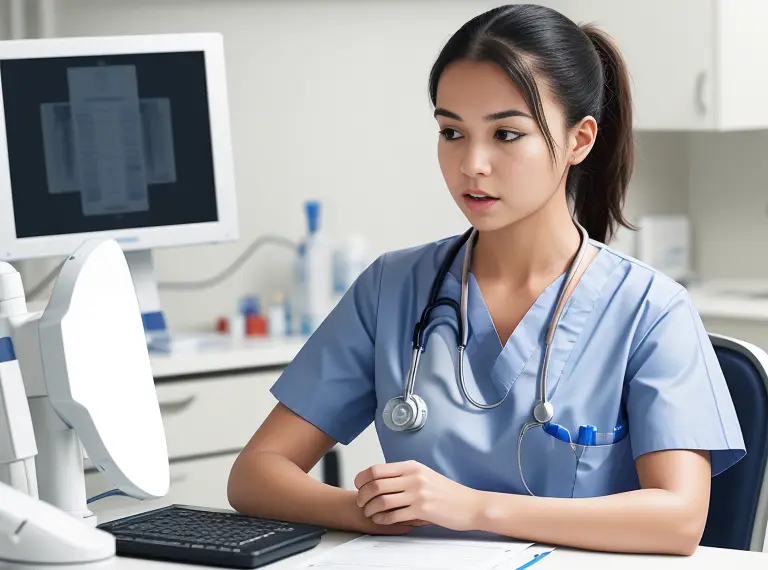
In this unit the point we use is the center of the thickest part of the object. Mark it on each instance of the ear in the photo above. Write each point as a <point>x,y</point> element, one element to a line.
<point>581,138</point>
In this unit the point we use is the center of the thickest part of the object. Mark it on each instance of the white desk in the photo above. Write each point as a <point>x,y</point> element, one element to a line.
<point>562,558</point>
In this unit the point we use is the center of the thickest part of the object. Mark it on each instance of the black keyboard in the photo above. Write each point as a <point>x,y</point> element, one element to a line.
<point>201,535</point>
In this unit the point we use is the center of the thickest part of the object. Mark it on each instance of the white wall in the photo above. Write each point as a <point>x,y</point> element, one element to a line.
<point>729,203</point>
<point>329,101</point>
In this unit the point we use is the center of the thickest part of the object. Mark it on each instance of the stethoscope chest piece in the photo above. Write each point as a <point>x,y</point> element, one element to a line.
<point>405,414</point>
<point>543,412</point>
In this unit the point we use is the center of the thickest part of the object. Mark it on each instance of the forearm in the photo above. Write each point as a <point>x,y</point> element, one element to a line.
<point>647,520</point>
<point>270,485</point>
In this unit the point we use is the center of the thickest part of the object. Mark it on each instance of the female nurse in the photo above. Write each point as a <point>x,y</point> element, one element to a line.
<point>535,145</point>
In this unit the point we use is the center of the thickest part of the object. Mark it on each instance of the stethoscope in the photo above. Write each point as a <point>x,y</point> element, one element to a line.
<point>409,412</point>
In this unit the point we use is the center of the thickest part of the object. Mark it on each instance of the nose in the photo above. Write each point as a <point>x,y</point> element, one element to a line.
<point>477,161</point>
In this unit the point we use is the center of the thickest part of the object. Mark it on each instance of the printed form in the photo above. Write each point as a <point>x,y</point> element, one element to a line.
<point>421,552</point>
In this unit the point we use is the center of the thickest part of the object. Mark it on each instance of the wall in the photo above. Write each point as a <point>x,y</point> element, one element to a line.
<point>729,203</point>
<point>328,100</point>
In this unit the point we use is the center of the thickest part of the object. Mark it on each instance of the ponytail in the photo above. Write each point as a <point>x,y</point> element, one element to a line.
<point>599,186</point>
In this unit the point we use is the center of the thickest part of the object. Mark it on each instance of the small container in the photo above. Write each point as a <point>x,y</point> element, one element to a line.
<point>237,326</point>
<point>277,320</point>
<point>255,325</point>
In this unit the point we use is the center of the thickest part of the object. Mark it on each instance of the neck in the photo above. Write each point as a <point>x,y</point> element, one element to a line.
<point>539,247</point>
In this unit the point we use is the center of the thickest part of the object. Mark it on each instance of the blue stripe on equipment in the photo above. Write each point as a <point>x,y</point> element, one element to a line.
<point>6,350</point>
<point>153,321</point>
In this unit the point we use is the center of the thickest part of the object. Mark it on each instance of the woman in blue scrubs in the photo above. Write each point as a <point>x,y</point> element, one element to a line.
<point>617,449</point>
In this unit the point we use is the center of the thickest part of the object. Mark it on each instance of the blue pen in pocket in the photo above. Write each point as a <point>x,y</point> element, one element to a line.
<point>587,436</point>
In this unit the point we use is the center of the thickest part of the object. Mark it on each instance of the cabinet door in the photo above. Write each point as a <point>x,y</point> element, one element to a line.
<point>210,415</point>
<point>742,83</point>
<point>670,49</point>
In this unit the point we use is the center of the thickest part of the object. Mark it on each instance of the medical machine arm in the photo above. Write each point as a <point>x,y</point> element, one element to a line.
<point>29,426</point>
<point>17,437</point>
<point>77,372</point>
<point>31,531</point>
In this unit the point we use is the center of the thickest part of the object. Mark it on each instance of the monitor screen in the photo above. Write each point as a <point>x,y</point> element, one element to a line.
<point>114,142</point>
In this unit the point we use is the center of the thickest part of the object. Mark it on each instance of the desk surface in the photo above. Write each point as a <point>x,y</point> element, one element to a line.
<point>211,355</point>
<point>561,558</point>
<point>732,299</point>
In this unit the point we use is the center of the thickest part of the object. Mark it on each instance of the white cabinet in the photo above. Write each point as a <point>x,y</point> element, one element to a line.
<point>216,413</point>
<point>694,64</point>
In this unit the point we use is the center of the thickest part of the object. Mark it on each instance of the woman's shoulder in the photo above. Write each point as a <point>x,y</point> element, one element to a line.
<point>634,283</point>
<point>416,261</point>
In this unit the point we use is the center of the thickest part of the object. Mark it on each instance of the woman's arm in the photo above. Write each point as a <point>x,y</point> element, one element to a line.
<point>269,478</point>
<point>666,516</point>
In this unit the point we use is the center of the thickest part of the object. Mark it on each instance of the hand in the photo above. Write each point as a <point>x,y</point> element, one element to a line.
<point>365,525</point>
<point>394,493</point>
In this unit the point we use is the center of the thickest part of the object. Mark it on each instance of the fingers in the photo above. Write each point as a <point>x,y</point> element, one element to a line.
<point>378,487</point>
<point>383,471</point>
<point>398,516</point>
<point>387,503</point>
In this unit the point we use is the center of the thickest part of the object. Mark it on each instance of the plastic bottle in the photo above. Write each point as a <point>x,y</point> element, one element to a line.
<point>277,324</point>
<point>315,258</point>
<point>350,258</point>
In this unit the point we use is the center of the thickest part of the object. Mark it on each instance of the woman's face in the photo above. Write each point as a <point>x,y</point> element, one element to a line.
<point>493,156</point>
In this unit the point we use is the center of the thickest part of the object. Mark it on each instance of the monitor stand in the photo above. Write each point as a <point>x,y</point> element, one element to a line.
<point>145,283</point>
<point>159,338</point>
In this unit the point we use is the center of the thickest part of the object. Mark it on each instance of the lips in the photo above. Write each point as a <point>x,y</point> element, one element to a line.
<point>477,194</point>
<point>479,200</point>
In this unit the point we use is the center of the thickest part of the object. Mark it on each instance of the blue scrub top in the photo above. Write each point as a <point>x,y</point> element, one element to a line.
<point>630,350</point>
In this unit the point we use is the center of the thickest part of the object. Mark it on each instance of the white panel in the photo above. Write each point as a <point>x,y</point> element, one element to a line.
<point>741,53</point>
<point>669,49</point>
<point>728,203</point>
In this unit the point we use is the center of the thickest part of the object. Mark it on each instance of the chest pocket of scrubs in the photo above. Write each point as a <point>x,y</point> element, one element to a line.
<point>554,468</point>
<point>605,469</point>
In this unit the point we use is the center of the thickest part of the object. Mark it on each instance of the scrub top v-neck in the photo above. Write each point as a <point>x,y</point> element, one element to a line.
<point>630,350</point>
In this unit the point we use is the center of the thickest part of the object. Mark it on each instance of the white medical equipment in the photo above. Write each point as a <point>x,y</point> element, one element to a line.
<point>78,372</point>
<point>124,137</point>
<point>409,412</point>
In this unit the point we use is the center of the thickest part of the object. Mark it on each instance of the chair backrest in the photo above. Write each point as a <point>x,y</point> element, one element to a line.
<point>738,506</point>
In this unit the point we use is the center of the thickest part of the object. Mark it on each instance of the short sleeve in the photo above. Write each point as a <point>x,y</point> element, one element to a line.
<point>677,397</point>
<point>330,382</point>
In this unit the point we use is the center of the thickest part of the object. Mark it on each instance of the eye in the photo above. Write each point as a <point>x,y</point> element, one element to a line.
<point>507,136</point>
<point>451,134</point>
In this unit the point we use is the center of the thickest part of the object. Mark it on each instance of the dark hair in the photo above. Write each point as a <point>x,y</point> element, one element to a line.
<point>585,73</point>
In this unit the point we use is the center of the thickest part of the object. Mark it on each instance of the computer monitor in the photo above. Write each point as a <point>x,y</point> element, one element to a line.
<point>124,137</point>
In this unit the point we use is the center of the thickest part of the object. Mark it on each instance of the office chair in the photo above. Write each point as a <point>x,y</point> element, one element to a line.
<point>738,506</point>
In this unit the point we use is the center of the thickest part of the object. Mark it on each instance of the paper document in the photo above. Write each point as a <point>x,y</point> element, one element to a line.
<point>419,552</point>
<point>524,560</point>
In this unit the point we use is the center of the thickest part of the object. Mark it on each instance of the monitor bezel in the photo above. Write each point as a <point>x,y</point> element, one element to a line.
<point>130,239</point>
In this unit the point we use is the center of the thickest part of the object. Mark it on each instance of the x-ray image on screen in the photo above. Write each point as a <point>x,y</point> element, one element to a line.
<point>105,142</point>
<point>60,158</point>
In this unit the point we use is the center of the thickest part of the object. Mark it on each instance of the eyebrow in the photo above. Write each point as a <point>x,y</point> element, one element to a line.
<point>492,117</point>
